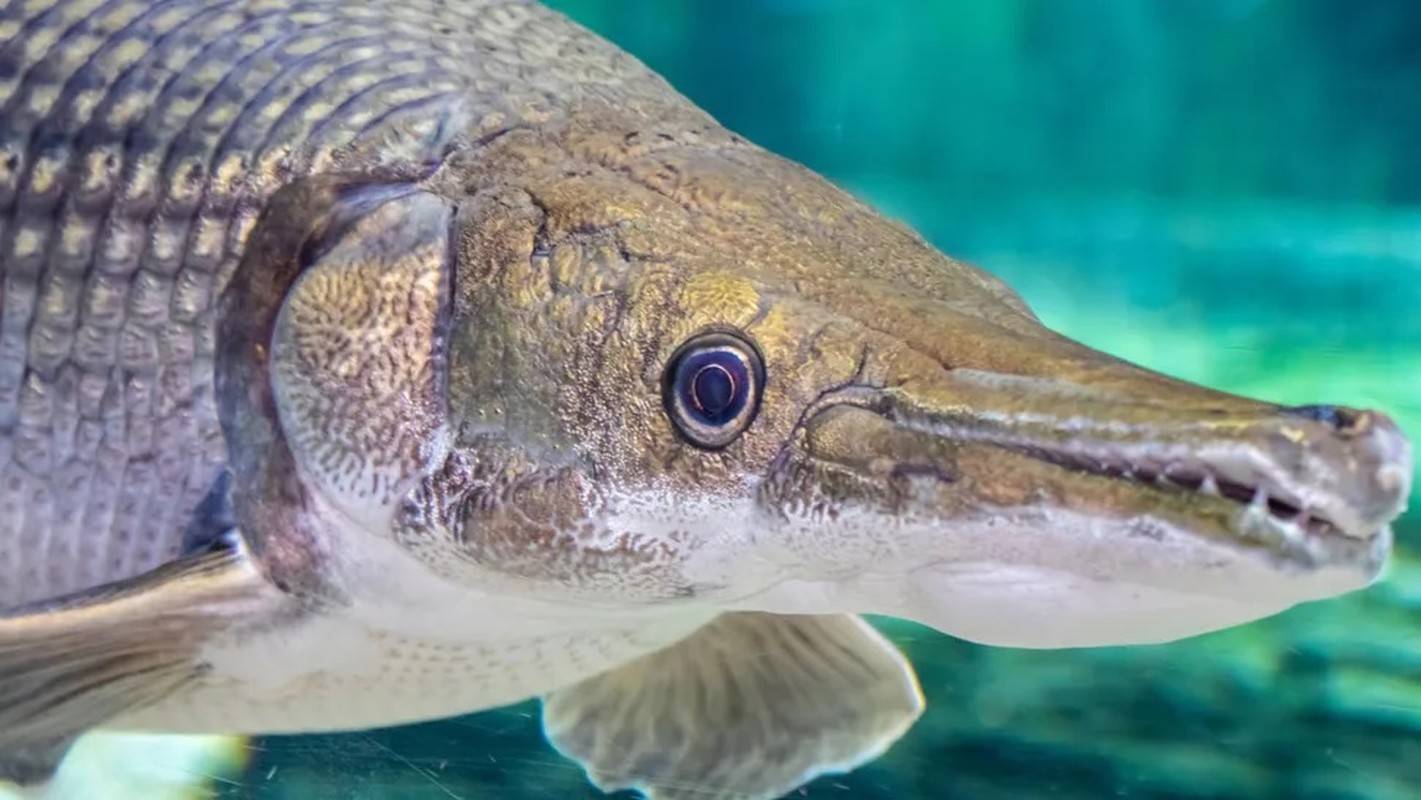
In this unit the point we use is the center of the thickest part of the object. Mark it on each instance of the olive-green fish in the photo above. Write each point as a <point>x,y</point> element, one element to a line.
<point>372,362</point>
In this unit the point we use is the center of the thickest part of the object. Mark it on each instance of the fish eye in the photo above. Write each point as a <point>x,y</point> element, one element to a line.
<point>712,389</point>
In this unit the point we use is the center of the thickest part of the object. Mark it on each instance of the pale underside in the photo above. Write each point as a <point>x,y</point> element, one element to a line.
<point>408,646</point>
<point>335,673</point>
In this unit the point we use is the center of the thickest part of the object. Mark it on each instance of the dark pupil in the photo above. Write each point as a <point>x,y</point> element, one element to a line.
<point>713,390</point>
<point>714,386</point>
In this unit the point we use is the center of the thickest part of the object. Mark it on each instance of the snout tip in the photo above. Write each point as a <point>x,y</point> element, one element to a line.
<point>1386,446</point>
<point>1393,479</point>
<point>1373,461</point>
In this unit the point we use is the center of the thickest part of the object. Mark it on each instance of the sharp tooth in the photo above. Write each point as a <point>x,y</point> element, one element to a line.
<point>1209,486</point>
<point>1256,512</point>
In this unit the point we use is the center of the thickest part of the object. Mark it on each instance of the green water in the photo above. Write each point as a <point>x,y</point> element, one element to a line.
<point>1224,190</point>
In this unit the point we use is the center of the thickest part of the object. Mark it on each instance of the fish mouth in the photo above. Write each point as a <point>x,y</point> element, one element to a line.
<point>1309,497</point>
<point>1304,488</point>
<point>1247,506</point>
<point>1096,522</point>
<point>1259,497</point>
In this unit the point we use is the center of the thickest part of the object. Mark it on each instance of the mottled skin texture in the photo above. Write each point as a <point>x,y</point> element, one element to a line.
<point>415,275</point>
<point>137,147</point>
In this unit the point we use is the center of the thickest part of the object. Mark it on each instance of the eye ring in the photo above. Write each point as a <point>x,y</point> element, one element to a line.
<point>712,389</point>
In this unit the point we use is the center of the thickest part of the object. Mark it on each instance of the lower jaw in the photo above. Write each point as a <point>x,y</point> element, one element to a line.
<point>1032,605</point>
<point>1076,581</point>
<point>1039,578</point>
<point>1038,608</point>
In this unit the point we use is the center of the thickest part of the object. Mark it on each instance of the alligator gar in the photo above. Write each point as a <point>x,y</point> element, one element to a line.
<point>365,363</point>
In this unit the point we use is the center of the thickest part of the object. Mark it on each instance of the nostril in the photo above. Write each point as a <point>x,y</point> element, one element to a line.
<point>1327,414</point>
<point>1344,420</point>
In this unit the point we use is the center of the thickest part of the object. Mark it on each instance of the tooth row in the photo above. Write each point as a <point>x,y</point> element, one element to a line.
<point>1193,476</point>
<point>1204,482</point>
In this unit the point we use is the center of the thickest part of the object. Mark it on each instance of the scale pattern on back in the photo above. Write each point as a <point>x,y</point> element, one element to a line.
<point>138,140</point>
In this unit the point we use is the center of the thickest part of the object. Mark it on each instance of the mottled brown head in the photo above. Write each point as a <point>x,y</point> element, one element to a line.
<point>682,370</point>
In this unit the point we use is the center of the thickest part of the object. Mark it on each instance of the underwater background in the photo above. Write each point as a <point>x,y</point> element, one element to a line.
<point>1228,191</point>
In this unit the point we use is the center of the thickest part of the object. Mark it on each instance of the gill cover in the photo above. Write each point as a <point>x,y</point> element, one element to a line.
<point>357,356</point>
<point>330,371</point>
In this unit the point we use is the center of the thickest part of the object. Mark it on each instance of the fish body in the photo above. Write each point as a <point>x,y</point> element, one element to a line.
<point>369,363</point>
<point>143,141</point>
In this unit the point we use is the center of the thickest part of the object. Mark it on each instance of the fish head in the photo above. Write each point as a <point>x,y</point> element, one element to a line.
<point>691,372</point>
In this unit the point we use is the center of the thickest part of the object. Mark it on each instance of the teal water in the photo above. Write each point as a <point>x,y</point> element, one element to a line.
<point>1224,190</point>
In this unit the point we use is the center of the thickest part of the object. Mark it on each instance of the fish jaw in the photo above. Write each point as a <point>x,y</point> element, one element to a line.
<point>1089,505</point>
<point>1086,583</point>
<point>1009,604</point>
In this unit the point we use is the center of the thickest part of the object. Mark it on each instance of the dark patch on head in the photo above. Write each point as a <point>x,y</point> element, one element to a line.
<point>33,763</point>
<point>212,521</point>
<point>1345,421</point>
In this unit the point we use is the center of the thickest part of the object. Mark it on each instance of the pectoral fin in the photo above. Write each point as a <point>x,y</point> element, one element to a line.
<point>751,706</point>
<point>31,765</point>
<point>72,664</point>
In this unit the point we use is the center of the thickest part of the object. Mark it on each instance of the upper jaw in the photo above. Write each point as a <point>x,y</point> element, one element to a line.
<point>1229,495</point>
<point>1303,487</point>
<point>1266,497</point>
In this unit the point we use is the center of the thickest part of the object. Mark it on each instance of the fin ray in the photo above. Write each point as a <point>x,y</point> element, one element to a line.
<point>71,664</point>
<point>750,706</point>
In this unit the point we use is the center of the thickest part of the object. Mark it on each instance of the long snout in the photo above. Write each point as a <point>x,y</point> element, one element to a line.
<point>1034,492</point>
<point>1332,470</point>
